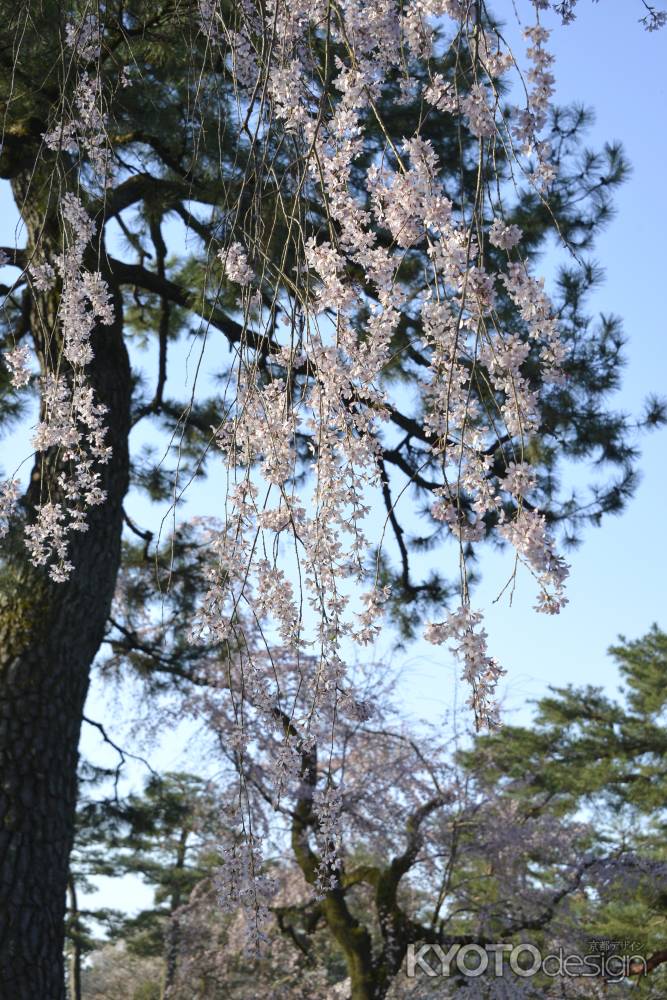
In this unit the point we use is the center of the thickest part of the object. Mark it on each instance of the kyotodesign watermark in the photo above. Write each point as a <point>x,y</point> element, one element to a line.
<point>524,960</point>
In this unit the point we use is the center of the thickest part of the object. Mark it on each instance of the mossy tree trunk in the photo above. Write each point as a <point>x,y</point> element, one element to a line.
<point>49,635</point>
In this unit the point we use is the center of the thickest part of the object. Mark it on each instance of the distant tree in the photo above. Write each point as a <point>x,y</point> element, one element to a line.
<point>114,973</point>
<point>604,756</point>
<point>375,834</point>
<point>167,835</point>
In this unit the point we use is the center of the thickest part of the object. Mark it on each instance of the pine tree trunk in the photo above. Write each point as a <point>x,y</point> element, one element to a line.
<point>49,635</point>
<point>74,981</point>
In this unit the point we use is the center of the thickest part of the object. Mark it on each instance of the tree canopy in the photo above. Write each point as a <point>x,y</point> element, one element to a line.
<point>321,222</point>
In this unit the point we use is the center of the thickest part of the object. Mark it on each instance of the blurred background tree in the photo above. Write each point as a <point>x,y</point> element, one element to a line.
<point>552,834</point>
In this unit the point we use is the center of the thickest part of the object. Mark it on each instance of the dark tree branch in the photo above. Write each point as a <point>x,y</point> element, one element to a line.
<point>155,405</point>
<point>141,187</point>
<point>147,536</point>
<point>393,520</point>
<point>16,257</point>
<point>123,754</point>
<point>140,277</point>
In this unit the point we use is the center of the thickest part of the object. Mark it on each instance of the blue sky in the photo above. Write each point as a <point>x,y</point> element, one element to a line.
<point>606,60</point>
<point>617,583</point>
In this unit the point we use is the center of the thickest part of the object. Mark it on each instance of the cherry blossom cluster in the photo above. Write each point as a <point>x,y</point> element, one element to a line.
<point>529,535</point>
<point>480,670</point>
<point>240,882</point>
<point>328,805</point>
<point>17,362</point>
<point>72,421</point>
<point>236,266</point>
<point>304,431</point>
<point>9,495</point>
<point>293,552</point>
<point>83,130</point>
<point>83,37</point>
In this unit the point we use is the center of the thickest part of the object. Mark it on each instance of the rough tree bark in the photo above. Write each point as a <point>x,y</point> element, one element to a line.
<point>49,635</point>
